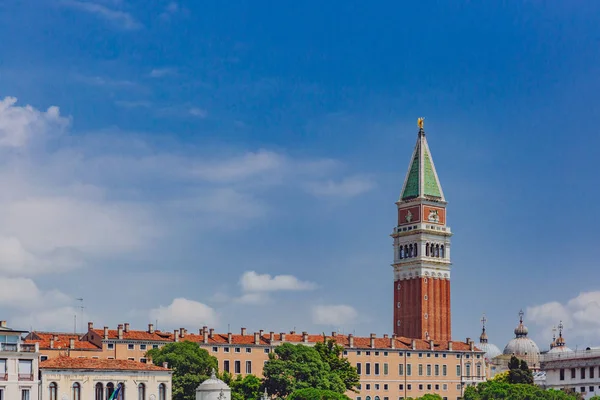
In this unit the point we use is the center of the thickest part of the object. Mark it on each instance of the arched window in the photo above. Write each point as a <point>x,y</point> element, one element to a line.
<point>478,370</point>
<point>376,397</point>
<point>468,369</point>
<point>122,393</point>
<point>416,253</point>
<point>99,392</point>
<point>141,391</point>
<point>410,250</point>
<point>76,391</point>
<point>368,398</point>
<point>110,388</point>
<point>53,388</point>
<point>406,251</point>
<point>437,250</point>
<point>427,249</point>
<point>162,392</point>
<point>442,251</point>
<point>401,252</point>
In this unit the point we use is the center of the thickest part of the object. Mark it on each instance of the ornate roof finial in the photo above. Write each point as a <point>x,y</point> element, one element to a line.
<point>521,313</point>
<point>560,328</point>
<point>213,374</point>
<point>483,338</point>
<point>420,123</point>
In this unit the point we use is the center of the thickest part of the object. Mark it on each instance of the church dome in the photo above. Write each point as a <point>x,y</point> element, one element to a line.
<point>523,347</point>
<point>491,350</point>
<point>213,384</point>
<point>559,345</point>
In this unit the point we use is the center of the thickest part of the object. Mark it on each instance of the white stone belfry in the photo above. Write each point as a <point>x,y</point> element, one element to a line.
<point>213,389</point>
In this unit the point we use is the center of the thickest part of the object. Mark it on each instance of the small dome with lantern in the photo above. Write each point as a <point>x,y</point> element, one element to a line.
<point>559,345</point>
<point>491,350</point>
<point>523,347</point>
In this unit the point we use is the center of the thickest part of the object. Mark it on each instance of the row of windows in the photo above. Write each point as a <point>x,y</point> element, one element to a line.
<point>25,394</point>
<point>25,371</point>
<point>411,250</point>
<point>131,346</point>
<point>409,354</point>
<point>429,369</point>
<point>430,386</point>
<point>582,373</point>
<point>237,366</point>
<point>215,349</point>
<point>104,393</point>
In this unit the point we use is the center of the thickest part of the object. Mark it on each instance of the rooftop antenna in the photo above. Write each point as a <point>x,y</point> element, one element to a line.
<point>81,307</point>
<point>228,328</point>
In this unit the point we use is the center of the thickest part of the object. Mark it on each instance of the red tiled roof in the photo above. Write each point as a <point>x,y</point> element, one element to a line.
<point>65,362</point>
<point>61,341</point>
<point>156,336</point>
<point>222,338</point>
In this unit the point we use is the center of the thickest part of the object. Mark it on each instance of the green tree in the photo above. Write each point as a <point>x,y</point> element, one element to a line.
<point>430,396</point>
<point>316,394</point>
<point>519,372</point>
<point>293,367</point>
<point>333,354</point>
<point>492,390</point>
<point>191,366</point>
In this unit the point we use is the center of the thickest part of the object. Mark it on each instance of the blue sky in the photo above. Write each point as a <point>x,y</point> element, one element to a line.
<point>199,146</point>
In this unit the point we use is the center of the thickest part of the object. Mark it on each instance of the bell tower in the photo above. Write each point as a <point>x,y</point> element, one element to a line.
<point>422,251</point>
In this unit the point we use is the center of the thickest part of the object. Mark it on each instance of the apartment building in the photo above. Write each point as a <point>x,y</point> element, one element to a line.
<point>577,371</point>
<point>390,367</point>
<point>18,366</point>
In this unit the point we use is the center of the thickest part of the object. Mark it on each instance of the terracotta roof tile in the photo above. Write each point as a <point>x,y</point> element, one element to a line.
<point>61,341</point>
<point>156,336</point>
<point>65,362</point>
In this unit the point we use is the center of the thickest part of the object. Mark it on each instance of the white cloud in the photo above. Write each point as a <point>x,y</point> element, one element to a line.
<point>162,72</point>
<point>119,18</point>
<point>347,187</point>
<point>250,164</point>
<point>334,315</point>
<point>23,293</point>
<point>186,313</point>
<point>253,282</point>
<point>18,125</point>
<point>579,316</point>
<point>198,112</point>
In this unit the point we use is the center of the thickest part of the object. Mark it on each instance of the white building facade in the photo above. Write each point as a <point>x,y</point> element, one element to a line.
<point>18,366</point>
<point>578,371</point>
<point>66,378</point>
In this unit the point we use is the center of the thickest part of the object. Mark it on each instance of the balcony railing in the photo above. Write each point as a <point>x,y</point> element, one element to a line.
<point>25,377</point>
<point>18,347</point>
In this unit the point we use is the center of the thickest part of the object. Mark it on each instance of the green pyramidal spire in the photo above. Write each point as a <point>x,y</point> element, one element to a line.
<point>422,180</point>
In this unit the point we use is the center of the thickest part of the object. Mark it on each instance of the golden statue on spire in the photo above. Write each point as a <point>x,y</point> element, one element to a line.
<point>420,122</point>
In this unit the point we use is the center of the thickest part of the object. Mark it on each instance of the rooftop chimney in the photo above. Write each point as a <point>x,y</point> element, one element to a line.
<point>292,332</point>
<point>305,337</point>
<point>90,326</point>
<point>450,345</point>
<point>204,335</point>
<point>150,328</point>
<point>372,340</point>
<point>165,365</point>
<point>205,329</point>
<point>211,332</point>
<point>229,338</point>
<point>120,331</point>
<point>472,345</point>
<point>256,338</point>
<point>2,324</point>
<point>126,327</point>
<point>393,341</point>
<point>55,337</point>
<point>261,332</point>
<point>176,335</point>
<point>271,336</point>
<point>105,332</point>
<point>283,336</point>
<point>52,342</point>
<point>333,334</point>
<point>351,340</point>
<point>413,344</point>
<point>71,343</point>
<point>431,345</point>
<point>468,340</point>
<point>182,332</point>
<point>243,331</point>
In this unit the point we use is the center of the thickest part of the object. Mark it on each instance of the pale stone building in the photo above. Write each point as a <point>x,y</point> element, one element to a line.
<point>18,366</point>
<point>213,389</point>
<point>68,378</point>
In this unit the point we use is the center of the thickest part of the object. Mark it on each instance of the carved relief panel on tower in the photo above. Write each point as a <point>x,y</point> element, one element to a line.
<point>409,215</point>
<point>436,215</point>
